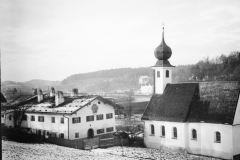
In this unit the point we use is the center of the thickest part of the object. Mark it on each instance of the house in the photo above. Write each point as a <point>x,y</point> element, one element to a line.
<point>71,117</point>
<point>201,118</point>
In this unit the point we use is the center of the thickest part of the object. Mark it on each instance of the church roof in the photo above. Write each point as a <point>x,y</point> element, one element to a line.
<point>163,63</point>
<point>173,104</point>
<point>211,102</point>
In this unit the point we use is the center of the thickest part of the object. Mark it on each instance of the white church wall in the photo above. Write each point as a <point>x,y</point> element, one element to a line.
<point>237,113</point>
<point>204,144</point>
<point>156,140</point>
<point>236,140</point>
<point>83,127</point>
<point>207,144</point>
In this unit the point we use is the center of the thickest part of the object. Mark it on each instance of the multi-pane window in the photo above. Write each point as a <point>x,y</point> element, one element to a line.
<point>158,73</point>
<point>167,73</point>
<point>110,129</point>
<point>174,132</point>
<point>62,120</point>
<point>217,137</point>
<point>76,120</point>
<point>163,131</point>
<point>100,131</point>
<point>32,118</point>
<point>76,135</point>
<point>24,118</point>
<point>152,129</point>
<point>40,118</point>
<point>90,118</point>
<point>109,115</point>
<point>194,134</point>
<point>100,117</point>
<point>53,119</point>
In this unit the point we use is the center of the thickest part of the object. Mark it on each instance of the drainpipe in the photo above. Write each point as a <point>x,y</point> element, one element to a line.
<point>68,125</point>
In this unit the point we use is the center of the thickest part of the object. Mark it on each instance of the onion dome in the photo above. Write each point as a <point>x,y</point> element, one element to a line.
<point>163,52</point>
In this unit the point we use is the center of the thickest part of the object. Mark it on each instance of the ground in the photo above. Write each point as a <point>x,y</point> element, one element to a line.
<point>25,151</point>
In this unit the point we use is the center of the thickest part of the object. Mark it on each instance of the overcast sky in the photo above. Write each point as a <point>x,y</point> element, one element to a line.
<point>52,39</point>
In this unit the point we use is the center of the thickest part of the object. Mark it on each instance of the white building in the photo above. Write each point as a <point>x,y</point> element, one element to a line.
<point>71,117</point>
<point>203,119</point>
<point>145,85</point>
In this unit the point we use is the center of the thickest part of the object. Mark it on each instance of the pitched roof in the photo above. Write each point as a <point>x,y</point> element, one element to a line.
<point>218,102</point>
<point>173,104</point>
<point>3,99</point>
<point>212,102</point>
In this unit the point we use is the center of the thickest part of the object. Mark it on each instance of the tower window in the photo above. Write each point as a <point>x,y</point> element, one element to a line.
<point>152,129</point>
<point>217,137</point>
<point>194,134</point>
<point>158,73</point>
<point>167,73</point>
<point>174,132</point>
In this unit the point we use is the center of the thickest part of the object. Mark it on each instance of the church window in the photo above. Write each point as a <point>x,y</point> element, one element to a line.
<point>158,73</point>
<point>152,129</point>
<point>174,132</point>
<point>217,137</point>
<point>167,73</point>
<point>162,131</point>
<point>194,134</point>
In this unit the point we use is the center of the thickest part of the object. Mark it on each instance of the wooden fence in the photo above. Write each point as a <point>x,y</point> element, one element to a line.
<point>91,143</point>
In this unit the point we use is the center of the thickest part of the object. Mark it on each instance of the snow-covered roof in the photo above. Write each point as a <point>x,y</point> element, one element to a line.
<point>69,106</point>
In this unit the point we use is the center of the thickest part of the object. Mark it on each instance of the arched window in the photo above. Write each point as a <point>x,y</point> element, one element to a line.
<point>152,129</point>
<point>158,74</point>
<point>217,137</point>
<point>163,131</point>
<point>167,73</point>
<point>194,134</point>
<point>174,132</point>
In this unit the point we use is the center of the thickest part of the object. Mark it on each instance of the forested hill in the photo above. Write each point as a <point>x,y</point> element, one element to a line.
<point>222,68</point>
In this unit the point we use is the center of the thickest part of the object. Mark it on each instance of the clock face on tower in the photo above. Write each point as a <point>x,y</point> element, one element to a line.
<point>94,108</point>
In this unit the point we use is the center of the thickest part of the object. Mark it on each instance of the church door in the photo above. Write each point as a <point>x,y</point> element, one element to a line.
<point>90,133</point>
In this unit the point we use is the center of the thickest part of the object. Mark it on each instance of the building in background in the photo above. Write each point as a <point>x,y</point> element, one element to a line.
<point>68,117</point>
<point>201,118</point>
<point>145,85</point>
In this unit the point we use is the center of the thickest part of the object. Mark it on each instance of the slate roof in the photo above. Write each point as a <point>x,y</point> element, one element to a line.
<point>173,105</point>
<point>210,102</point>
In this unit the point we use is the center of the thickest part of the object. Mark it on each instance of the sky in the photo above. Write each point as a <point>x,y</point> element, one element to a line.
<point>53,39</point>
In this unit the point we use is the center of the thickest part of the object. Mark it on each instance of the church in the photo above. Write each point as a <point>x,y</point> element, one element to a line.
<point>201,118</point>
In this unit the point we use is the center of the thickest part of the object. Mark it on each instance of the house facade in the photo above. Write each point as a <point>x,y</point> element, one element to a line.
<point>72,117</point>
<point>201,118</point>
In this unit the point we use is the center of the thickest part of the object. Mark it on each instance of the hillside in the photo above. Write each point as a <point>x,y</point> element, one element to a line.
<point>225,68</point>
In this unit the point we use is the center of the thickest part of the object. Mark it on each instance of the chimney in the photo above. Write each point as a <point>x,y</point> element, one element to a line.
<point>39,95</point>
<point>74,92</point>
<point>52,92</point>
<point>59,98</point>
<point>34,91</point>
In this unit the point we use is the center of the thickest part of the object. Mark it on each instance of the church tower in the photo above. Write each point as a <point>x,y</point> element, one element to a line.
<point>163,69</point>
